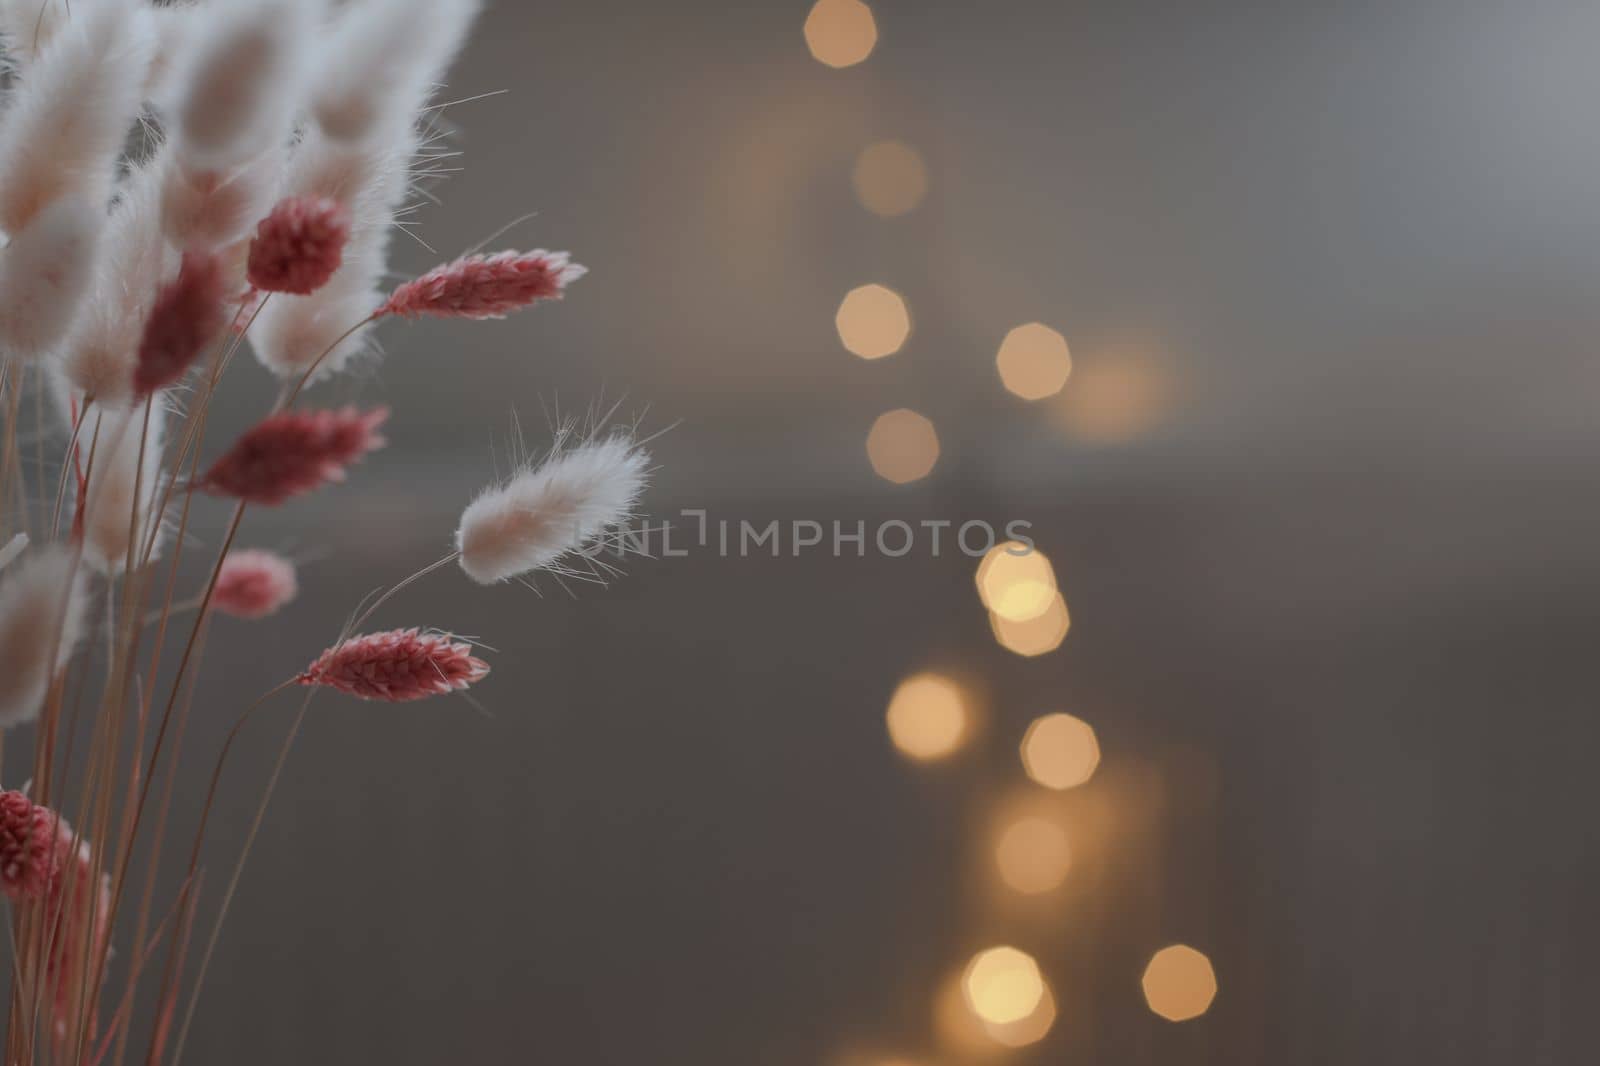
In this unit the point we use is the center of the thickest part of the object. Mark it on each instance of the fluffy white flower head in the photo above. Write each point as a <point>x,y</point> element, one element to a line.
<point>551,509</point>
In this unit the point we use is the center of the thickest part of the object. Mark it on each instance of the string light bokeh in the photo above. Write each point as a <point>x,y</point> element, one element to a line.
<point>1001,999</point>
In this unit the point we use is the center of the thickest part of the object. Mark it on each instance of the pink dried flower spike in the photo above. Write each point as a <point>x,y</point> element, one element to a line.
<point>253,584</point>
<point>294,452</point>
<point>29,857</point>
<point>397,666</point>
<point>300,245</point>
<point>478,286</point>
<point>190,312</point>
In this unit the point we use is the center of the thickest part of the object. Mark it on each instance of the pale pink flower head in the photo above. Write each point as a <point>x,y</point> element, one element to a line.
<point>253,584</point>
<point>479,286</point>
<point>190,312</point>
<point>29,856</point>
<point>294,452</point>
<point>299,245</point>
<point>397,667</point>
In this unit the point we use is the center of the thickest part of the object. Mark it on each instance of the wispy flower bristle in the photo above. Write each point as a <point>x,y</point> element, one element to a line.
<point>397,667</point>
<point>551,509</point>
<point>294,452</point>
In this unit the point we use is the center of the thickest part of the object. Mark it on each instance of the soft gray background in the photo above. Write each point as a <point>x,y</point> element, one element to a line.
<point>1334,618</point>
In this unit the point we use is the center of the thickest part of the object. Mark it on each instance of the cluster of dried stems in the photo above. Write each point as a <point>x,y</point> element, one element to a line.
<point>180,182</point>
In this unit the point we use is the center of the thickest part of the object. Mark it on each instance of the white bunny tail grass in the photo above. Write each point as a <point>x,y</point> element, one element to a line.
<point>42,608</point>
<point>237,96</point>
<point>13,549</point>
<point>385,57</point>
<point>74,106</point>
<point>215,208</point>
<point>28,26</point>
<point>45,273</point>
<point>174,29</point>
<point>552,509</point>
<point>99,354</point>
<point>124,484</point>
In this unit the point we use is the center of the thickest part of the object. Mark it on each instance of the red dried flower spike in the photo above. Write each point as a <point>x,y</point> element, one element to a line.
<point>29,857</point>
<point>480,286</point>
<point>398,666</point>
<point>300,245</point>
<point>294,452</point>
<point>189,313</point>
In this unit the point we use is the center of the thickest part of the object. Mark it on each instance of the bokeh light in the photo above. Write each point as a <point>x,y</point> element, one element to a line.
<point>1060,751</point>
<point>1034,361</point>
<point>1002,985</point>
<point>841,33</point>
<point>1016,581</point>
<point>1033,855</point>
<point>1117,397</point>
<point>1179,983</point>
<point>890,178</point>
<point>903,446</point>
<point>1030,1030</point>
<point>1036,636</point>
<point>873,321</point>
<point>928,717</point>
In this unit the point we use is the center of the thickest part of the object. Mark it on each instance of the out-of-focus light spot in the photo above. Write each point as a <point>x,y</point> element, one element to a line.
<point>1030,1030</point>
<point>1033,855</point>
<point>1036,636</point>
<point>1016,581</point>
<point>1034,361</point>
<point>903,446</point>
<point>873,321</point>
<point>1060,751</point>
<point>890,178</point>
<point>841,33</point>
<point>928,717</point>
<point>1002,985</point>
<point>1117,398</point>
<point>1179,983</point>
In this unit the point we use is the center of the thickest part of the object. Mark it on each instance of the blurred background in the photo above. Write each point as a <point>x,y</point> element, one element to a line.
<point>1276,322</point>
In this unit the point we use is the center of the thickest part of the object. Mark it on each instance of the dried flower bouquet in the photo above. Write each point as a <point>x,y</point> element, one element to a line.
<point>275,143</point>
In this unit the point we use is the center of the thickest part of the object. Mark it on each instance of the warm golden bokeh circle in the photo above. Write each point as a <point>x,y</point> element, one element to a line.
<point>1060,751</point>
<point>841,33</point>
<point>1030,1030</point>
<point>928,717</point>
<point>1034,361</point>
<point>1016,581</point>
<point>890,178</point>
<point>1002,985</point>
<point>1179,984</point>
<point>1036,636</point>
<point>1033,855</point>
<point>903,446</point>
<point>873,321</point>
